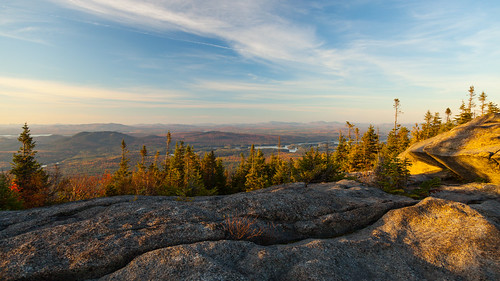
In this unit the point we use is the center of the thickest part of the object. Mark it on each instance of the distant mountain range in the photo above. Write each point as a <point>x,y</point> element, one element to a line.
<point>106,144</point>
<point>269,128</point>
<point>88,143</point>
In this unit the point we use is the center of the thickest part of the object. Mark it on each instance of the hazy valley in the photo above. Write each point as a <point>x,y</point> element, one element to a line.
<point>95,148</point>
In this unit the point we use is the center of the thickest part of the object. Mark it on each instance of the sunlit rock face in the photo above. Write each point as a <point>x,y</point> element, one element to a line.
<point>433,240</point>
<point>471,151</point>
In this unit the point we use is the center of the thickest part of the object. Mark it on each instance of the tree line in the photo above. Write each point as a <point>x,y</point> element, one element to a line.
<point>185,174</point>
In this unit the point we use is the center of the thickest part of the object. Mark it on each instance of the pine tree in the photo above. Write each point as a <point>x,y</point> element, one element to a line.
<point>141,177</point>
<point>238,178</point>
<point>257,176</point>
<point>313,167</point>
<point>193,181</point>
<point>427,125</point>
<point>471,104</point>
<point>29,176</point>
<point>448,125</point>
<point>156,176</point>
<point>369,146</point>
<point>349,127</point>
<point>175,172</point>
<point>121,181</point>
<point>341,152</point>
<point>279,146</point>
<point>283,172</point>
<point>447,112</point>
<point>416,133</point>
<point>397,108</point>
<point>167,153</point>
<point>435,124</point>
<point>307,167</point>
<point>493,108</point>
<point>356,133</point>
<point>482,100</point>
<point>403,139</point>
<point>464,116</point>
<point>213,173</point>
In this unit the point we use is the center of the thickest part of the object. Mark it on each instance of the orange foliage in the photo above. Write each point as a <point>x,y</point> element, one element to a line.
<point>81,187</point>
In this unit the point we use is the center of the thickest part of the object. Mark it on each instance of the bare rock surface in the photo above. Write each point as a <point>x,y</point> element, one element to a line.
<point>471,151</point>
<point>89,239</point>
<point>433,240</point>
<point>483,197</point>
<point>330,231</point>
<point>469,193</point>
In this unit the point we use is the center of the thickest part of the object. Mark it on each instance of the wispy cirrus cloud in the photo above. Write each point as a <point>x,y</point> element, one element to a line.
<point>251,28</point>
<point>268,30</point>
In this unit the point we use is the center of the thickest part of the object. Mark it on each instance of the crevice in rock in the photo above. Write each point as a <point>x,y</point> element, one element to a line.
<point>131,256</point>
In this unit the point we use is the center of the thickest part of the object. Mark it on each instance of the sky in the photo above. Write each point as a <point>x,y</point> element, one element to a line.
<point>240,61</point>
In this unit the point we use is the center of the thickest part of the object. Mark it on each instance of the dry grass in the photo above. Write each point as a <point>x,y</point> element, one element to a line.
<point>242,228</point>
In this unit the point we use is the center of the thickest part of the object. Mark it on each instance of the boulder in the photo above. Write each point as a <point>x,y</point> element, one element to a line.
<point>471,151</point>
<point>89,239</point>
<point>433,240</point>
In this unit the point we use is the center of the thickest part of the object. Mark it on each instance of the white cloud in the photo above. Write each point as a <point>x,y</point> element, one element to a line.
<point>252,28</point>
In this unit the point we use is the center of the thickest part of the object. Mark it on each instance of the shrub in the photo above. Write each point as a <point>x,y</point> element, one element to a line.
<point>392,174</point>
<point>9,196</point>
<point>425,188</point>
<point>242,228</point>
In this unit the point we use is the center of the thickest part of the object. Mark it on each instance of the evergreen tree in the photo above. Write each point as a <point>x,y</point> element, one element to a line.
<point>341,152</point>
<point>464,116</point>
<point>349,127</point>
<point>156,176</point>
<point>238,178</point>
<point>493,108</point>
<point>313,167</point>
<point>307,167</point>
<point>144,154</point>
<point>403,139</point>
<point>482,100</point>
<point>257,176</point>
<point>213,173</point>
<point>284,171</point>
<point>435,125</point>
<point>141,178</point>
<point>121,181</point>
<point>391,147</point>
<point>471,104</point>
<point>447,112</point>
<point>355,158</point>
<point>392,174</point>
<point>356,133</point>
<point>397,108</point>
<point>416,134</point>
<point>427,125</point>
<point>167,153</point>
<point>29,176</point>
<point>193,181</point>
<point>177,163</point>
<point>369,146</point>
<point>449,124</point>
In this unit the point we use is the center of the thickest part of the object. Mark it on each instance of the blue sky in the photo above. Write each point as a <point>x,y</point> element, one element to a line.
<point>232,61</point>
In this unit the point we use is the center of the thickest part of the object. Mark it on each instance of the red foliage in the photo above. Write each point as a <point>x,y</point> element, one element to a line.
<point>14,187</point>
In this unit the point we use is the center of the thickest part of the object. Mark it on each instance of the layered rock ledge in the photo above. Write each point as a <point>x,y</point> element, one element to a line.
<point>470,151</point>
<point>335,231</point>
